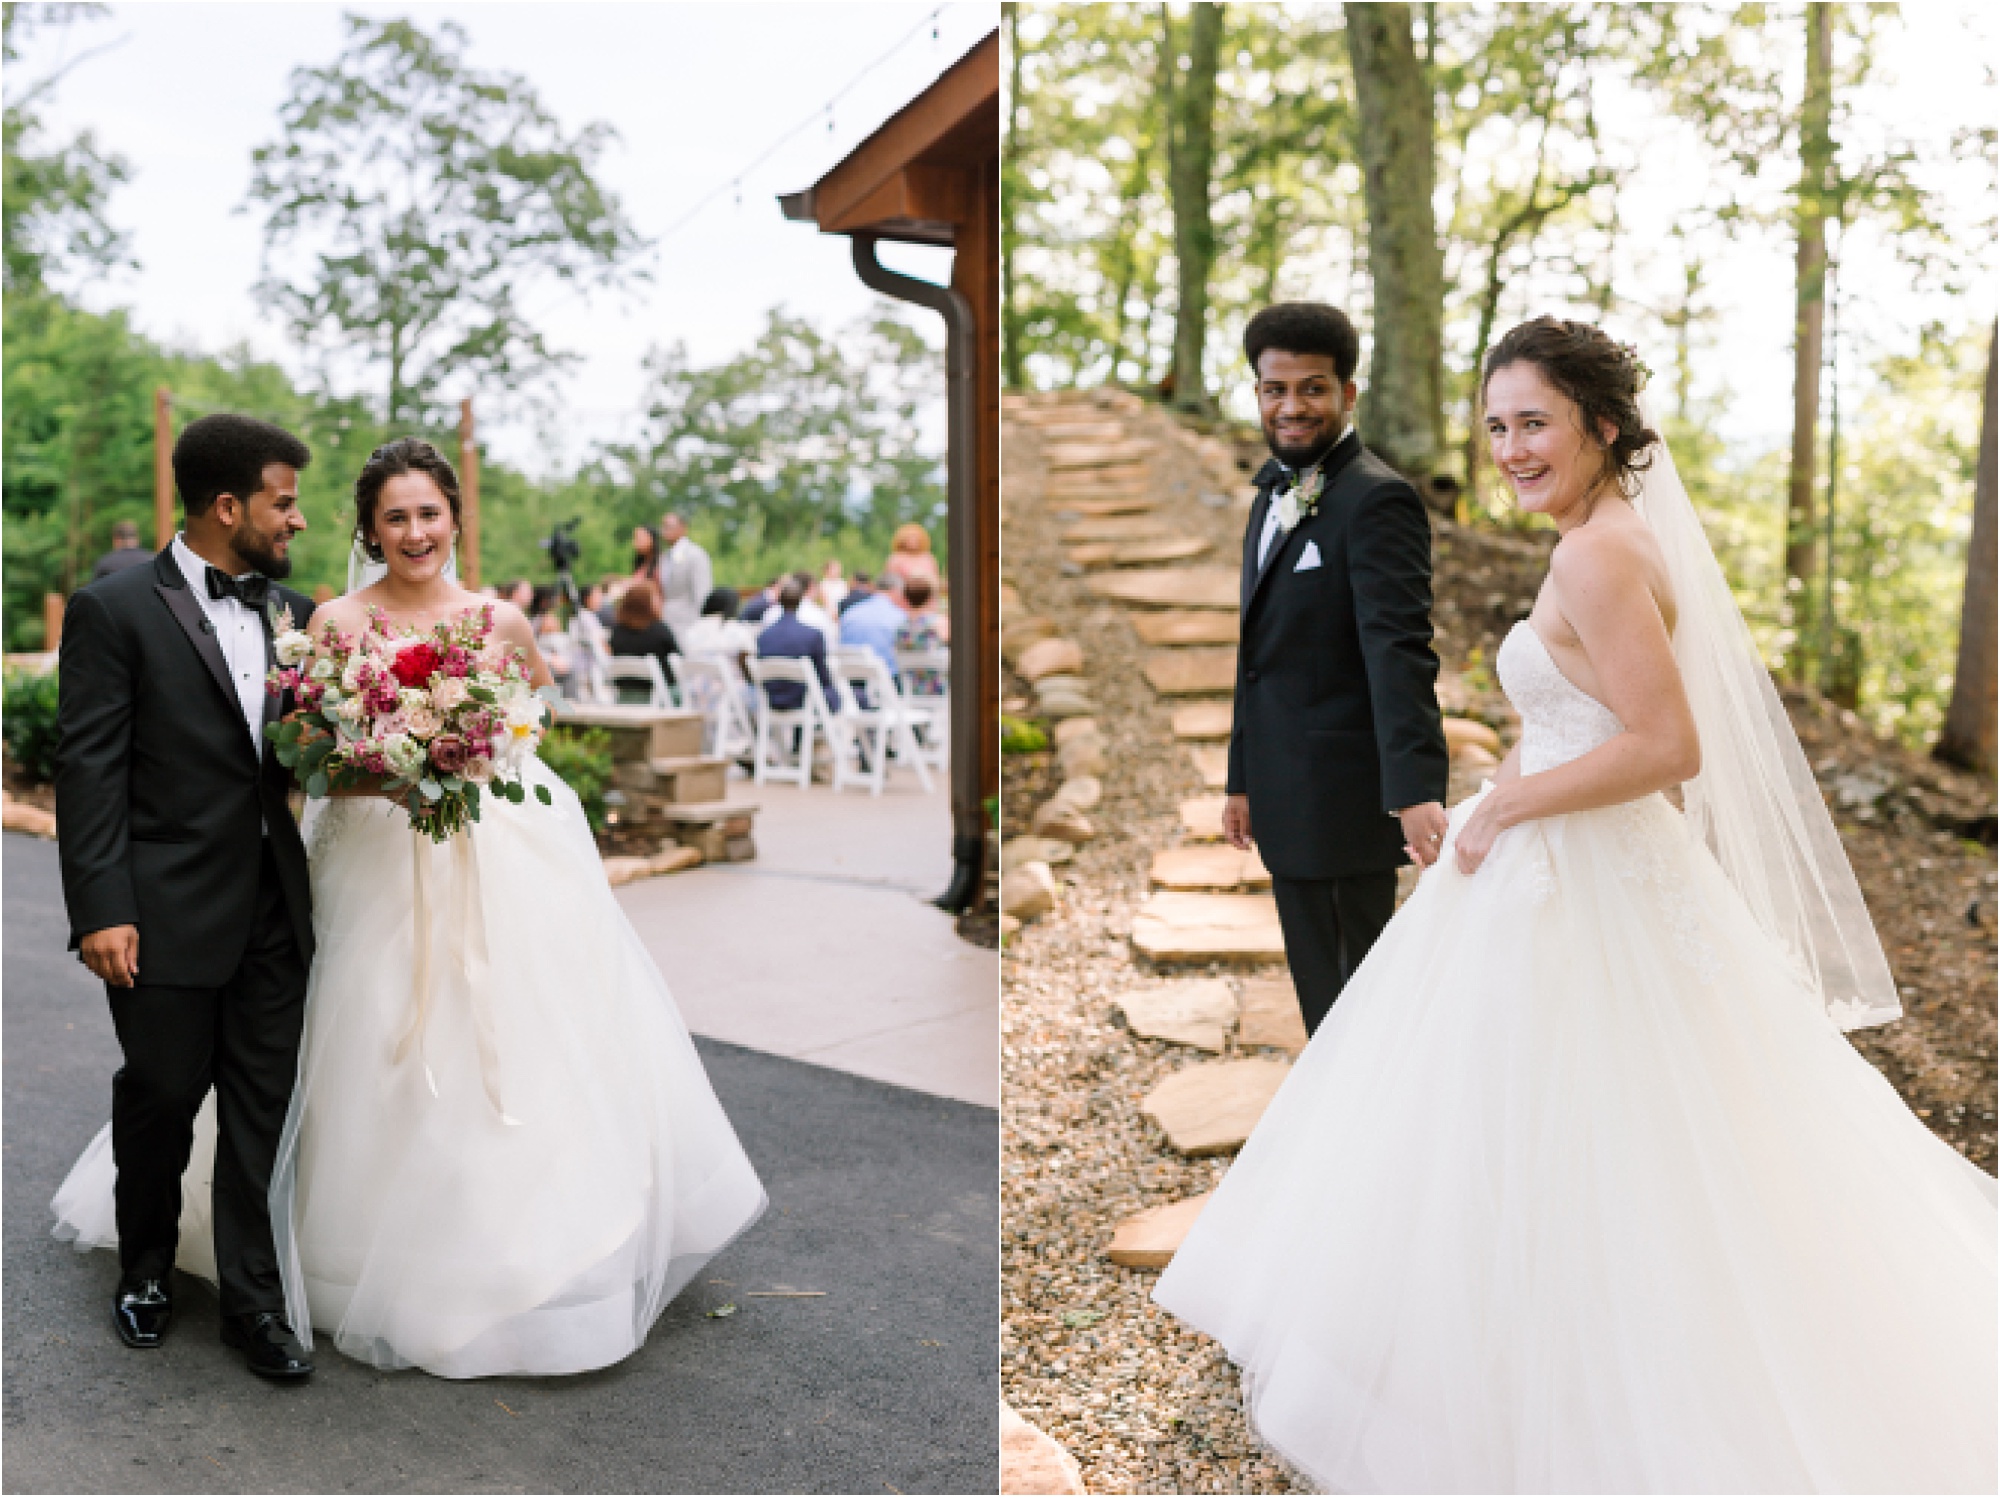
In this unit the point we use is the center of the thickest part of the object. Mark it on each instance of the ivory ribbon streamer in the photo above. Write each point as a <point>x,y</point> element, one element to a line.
<point>468,950</point>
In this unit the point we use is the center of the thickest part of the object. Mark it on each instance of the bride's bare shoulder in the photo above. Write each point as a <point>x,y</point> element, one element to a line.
<point>1620,559</point>
<point>349,611</point>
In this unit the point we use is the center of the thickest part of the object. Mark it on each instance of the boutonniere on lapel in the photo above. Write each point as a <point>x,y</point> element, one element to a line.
<point>1300,500</point>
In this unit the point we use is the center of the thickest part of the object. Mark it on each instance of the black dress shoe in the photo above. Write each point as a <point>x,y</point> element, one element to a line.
<point>142,1309</point>
<point>267,1344</point>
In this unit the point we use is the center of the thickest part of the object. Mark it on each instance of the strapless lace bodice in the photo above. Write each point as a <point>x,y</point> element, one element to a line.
<point>1559,721</point>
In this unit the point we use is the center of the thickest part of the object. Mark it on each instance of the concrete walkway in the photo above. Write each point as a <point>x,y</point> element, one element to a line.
<point>881,1196</point>
<point>825,947</point>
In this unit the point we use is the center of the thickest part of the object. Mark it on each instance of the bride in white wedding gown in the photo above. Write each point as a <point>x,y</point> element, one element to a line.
<point>524,1187</point>
<point>1579,1188</point>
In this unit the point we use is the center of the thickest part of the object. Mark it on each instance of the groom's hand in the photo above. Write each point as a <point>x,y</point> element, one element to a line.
<point>1424,827</point>
<point>113,954</point>
<point>1236,821</point>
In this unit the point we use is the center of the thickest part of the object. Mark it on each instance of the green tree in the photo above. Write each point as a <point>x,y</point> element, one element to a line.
<point>411,200</point>
<point>1402,415</point>
<point>53,205</point>
<point>1969,728</point>
<point>1187,84</point>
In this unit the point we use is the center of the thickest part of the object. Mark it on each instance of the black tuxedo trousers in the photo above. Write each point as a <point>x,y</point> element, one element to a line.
<point>1336,724</point>
<point>175,822</point>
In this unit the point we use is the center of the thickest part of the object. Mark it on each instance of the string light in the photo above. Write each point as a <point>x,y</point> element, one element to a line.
<point>735,183</point>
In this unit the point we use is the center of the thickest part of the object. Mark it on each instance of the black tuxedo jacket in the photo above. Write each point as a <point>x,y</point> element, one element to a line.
<point>160,799</point>
<point>1336,721</point>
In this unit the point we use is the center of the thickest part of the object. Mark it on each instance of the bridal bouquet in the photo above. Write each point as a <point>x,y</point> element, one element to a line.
<point>438,716</point>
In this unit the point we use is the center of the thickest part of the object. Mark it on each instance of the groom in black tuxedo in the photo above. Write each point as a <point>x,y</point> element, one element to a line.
<point>184,875</point>
<point>1337,757</point>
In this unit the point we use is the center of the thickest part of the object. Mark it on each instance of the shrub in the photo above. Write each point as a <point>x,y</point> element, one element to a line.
<point>582,757</point>
<point>28,721</point>
<point>1021,737</point>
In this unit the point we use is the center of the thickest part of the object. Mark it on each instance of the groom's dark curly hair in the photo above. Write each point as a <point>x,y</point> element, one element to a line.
<point>227,454</point>
<point>1304,327</point>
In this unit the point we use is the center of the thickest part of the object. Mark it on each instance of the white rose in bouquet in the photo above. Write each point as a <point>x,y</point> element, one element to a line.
<point>423,721</point>
<point>404,755</point>
<point>324,670</point>
<point>292,647</point>
<point>449,695</point>
<point>479,770</point>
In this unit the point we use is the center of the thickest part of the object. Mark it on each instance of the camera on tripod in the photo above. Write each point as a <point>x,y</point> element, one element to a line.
<point>562,545</point>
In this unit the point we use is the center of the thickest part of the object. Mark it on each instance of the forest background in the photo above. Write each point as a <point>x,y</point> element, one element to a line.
<point>1442,171</point>
<point>410,200</point>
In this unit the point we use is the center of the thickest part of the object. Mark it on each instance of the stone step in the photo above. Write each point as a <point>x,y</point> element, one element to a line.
<point>691,778</point>
<point>1270,1015</point>
<point>1172,587</point>
<point>1211,762</point>
<point>638,733</point>
<point>1069,457</point>
<point>1199,1011</point>
<point>1209,865</point>
<point>1150,1239</point>
<point>1204,720</point>
<point>1202,817</point>
<point>1211,1107</point>
<point>1117,528</point>
<point>720,828</point>
<point>1032,1464</point>
<point>1117,504</point>
<point>1144,553</point>
<point>1461,733</point>
<point>1187,627</point>
<point>1193,672</point>
<point>1174,926</point>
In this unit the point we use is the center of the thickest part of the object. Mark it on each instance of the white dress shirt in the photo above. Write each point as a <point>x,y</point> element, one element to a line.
<point>1270,535</point>
<point>240,635</point>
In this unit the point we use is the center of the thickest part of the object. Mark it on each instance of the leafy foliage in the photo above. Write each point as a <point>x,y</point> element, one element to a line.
<point>29,725</point>
<point>1019,736</point>
<point>426,197</point>
<point>582,757</point>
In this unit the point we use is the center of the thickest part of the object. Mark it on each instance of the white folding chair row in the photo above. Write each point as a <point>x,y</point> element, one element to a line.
<point>930,715</point>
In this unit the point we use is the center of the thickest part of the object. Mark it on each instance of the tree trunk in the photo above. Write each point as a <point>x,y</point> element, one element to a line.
<point>1010,310</point>
<point>1814,209</point>
<point>1968,736</point>
<point>1402,415</point>
<point>1190,169</point>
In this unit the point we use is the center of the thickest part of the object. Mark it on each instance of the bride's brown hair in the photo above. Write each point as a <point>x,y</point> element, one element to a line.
<point>1601,376</point>
<point>393,460</point>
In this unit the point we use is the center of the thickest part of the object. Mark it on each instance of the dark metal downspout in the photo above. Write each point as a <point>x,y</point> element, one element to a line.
<point>968,815</point>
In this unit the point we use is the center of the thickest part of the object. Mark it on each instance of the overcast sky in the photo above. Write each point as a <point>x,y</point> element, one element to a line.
<point>695,92</point>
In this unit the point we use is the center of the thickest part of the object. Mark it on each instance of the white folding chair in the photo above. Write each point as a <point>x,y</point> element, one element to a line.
<point>885,719</point>
<point>629,676</point>
<point>711,684</point>
<point>777,725</point>
<point>930,715</point>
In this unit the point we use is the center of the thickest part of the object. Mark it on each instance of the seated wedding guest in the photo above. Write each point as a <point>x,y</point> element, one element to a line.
<point>810,611</point>
<point>521,594</point>
<point>718,631</point>
<point>832,586</point>
<point>789,637</point>
<point>910,555</point>
<point>609,591</point>
<point>874,622</point>
<point>864,586</point>
<point>554,641</point>
<point>761,607</point>
<point>589,626</point>
<point>924,629</point>
<point>638,628</point>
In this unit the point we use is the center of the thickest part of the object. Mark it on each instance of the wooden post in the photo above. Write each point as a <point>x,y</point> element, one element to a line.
<point>468,496</point>
<point>163,468</point>
<point>52,617</point>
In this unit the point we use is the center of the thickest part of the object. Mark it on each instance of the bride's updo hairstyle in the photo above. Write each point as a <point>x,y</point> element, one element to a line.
<point>1602,377</point>
<point>393,460</point>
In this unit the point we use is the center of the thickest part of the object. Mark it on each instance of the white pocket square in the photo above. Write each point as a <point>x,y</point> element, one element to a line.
<point>1308,558</point>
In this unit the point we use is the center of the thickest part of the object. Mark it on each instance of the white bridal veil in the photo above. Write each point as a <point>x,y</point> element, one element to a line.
<point>1755,802</point>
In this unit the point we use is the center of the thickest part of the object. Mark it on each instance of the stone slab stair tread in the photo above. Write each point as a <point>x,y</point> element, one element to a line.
<point>1204,720</point>
<point>698,812</point>
<point>1150,1239</point>
<point>1192,672</point>
<point>1171,587</point>
<point>1212,1106</point>
<point>1187,627</point>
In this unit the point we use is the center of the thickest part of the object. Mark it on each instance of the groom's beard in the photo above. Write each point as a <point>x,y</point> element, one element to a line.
<point>263,556</point>
<point>1300,458</point>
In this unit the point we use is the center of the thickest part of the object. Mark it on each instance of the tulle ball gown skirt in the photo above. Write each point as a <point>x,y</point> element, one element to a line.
<point>504,1156</point>
<point>1576,1190</point>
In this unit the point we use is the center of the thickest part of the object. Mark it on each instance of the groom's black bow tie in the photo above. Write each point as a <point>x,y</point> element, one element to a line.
<point>253,591</point>
<point>1270,474</point>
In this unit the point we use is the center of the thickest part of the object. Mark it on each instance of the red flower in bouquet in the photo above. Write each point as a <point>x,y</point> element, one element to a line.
<point>416,664</point>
